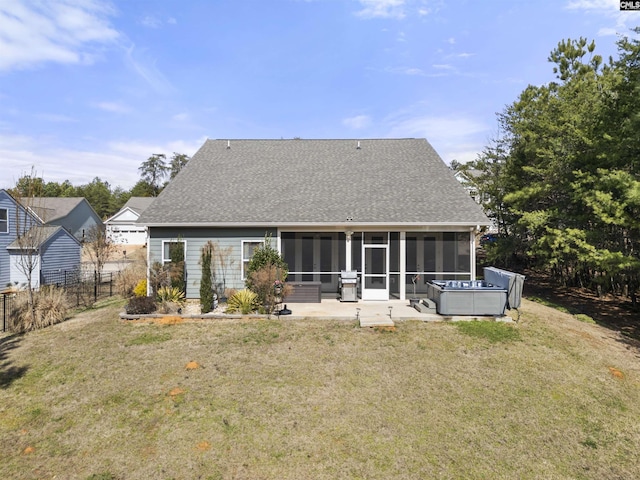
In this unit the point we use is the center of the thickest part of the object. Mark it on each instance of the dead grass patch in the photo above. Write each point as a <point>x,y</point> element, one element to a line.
<point>616,373</point>
<point>192,366</point>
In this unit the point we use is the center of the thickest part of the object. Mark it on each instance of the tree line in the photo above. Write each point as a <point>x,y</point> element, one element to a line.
<point>563,175</point>
<point>105,199</point>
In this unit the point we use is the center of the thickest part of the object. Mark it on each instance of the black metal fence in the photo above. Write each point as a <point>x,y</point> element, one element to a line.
<point>81,288</point>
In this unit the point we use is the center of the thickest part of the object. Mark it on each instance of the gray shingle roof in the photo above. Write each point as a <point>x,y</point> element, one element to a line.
<point>279,182</point>
<point>138,204</point>
<point>53,208</point>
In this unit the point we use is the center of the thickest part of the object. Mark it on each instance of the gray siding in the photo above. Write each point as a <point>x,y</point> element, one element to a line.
<point>6,238</point>
<point>61,253</point>
<point>79,221</point>
<point>195,239</point>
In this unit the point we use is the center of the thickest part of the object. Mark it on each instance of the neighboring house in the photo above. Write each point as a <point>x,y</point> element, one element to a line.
<point>75,214</point>
<point>122,227</point>
<point>389,209</point>
<point>467,178</point>
<point>53,252</point>
<point>51,249</point>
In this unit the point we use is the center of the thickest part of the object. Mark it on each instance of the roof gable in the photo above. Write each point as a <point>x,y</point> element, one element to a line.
<point>261,182</point>
<point>126,215</point>
<point>138,204</point>
<point>40,235</point>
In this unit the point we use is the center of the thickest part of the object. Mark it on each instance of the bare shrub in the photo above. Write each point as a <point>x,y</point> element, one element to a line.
<point>128,279</point>
<point>267,283</point>
<point>50,307</point>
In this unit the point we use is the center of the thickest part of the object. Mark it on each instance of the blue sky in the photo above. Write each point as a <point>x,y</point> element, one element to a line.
<point>92,88</point>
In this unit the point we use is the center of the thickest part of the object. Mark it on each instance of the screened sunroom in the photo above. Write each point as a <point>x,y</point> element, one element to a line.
<point>390,264</point>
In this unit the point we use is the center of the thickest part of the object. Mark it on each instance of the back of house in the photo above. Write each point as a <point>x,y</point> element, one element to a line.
<point>388,209</point>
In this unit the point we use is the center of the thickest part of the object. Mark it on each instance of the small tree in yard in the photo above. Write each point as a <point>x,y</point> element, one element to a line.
<point>99,247</point>
<point>177,265</point>
<point>206,285</point>
<point>223,260</point>
<point>266,273</point>
<point>30,234</point>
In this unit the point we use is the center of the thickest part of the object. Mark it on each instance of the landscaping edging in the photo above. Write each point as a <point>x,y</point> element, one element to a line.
<point>202,316</point>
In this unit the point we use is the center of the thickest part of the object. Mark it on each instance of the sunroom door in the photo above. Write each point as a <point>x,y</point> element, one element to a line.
<point>375,281</point>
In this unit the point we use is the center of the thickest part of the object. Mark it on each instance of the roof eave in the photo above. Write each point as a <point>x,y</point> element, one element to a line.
<point>345,225</point>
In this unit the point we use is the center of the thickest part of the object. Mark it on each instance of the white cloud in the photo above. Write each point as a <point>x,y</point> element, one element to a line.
<point>181,117</point>
<point>454,137</point>
<point>151,21</point>
<point>54,118</point>
<point>116,162</point>
<point>113,107</point>
<point>154,21</point>
<point>382,9</point>
<point>358,122</point>
<point>146,68</point>
<point>414,71</point>
<point>60,31</point>
<point>624,20</point>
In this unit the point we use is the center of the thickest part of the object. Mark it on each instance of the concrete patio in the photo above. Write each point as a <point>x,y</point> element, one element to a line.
<point>374,313</point>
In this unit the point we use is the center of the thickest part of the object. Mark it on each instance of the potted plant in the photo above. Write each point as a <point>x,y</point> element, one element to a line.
<point>414,300</point>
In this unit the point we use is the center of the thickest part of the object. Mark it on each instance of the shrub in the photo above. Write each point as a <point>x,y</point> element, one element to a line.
<point>50,308</point>
<point>243,301</point>
<point>268,286</point>
<point>266,256</point>
<point>140,306</point>
<point>206,286</point>
<point>129,278</point>
<point>141,288</point>
<point>158,276</point>
<point>171,299</point>
<point>171,294</point>
<point>265,268</point>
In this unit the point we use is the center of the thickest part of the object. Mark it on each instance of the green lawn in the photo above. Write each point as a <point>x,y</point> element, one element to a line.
<point>101,398</point>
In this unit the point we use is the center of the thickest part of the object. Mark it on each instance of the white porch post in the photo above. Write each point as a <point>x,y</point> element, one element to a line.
<point>472,249</point>
<point>403,265</point>
<point>347,257</point>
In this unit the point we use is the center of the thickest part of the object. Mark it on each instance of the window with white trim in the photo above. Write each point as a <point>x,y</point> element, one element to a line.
<point>170,248</point>
<point>248,249</point>
<point>4,220</point>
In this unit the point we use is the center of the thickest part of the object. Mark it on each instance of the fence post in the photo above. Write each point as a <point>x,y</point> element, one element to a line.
<point>95,286</point>
<point>110,284</point>
<point>4,312</point>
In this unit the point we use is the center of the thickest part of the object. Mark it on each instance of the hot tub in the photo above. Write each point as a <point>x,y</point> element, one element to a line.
<point>499,290</point>
<point>468,297</point>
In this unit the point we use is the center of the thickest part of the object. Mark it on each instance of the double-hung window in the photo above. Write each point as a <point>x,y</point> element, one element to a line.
<point>4,220</point>
<point>173,249</point>
<point>248,248</point>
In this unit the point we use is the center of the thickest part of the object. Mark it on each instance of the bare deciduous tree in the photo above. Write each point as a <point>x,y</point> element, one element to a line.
<point>99,247</point>
<point>30,233</point>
